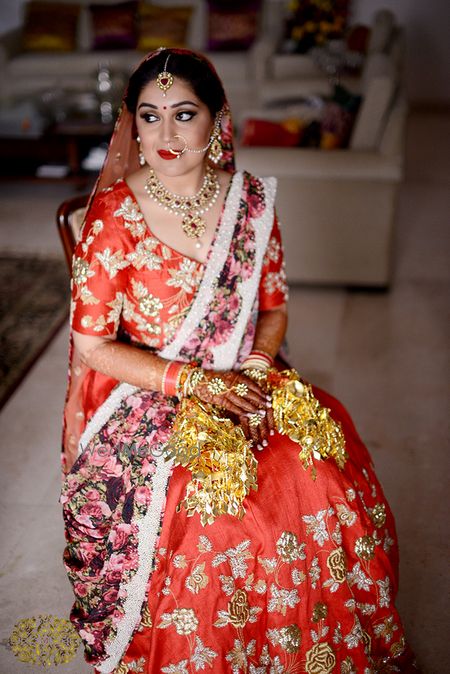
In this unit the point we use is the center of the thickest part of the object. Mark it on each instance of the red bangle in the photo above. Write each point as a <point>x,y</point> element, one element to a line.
<point>170,377</point>
<point>262,354</point>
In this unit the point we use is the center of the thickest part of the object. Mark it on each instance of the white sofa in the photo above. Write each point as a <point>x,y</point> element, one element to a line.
<point>22,74</point>
<point>337,208</point>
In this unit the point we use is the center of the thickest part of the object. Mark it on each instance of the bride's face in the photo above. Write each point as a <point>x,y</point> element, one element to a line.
<point>161,118</point>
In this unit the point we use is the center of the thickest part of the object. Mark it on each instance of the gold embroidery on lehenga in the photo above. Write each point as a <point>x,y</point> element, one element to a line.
<point>346,516</point>
<point>202,655</point>
<point>378,514</point>
<point>336,565</point>
<point>320,659</point>
<point>386,629</point>
<point>289,549</point>
<point>198,579</point>
<point>238,581</point>
<point>348,666</point>
<point>184,620</point>
<point>320,611</point>
<point>365,547</point>
<point>238,609</point>
<point>288,638</point>
<point>146,618</point>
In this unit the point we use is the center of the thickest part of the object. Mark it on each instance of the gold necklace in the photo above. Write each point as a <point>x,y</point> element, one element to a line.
<point>189,208</point>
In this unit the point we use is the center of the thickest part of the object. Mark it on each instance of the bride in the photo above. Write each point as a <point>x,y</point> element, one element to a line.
<point>255,553</point>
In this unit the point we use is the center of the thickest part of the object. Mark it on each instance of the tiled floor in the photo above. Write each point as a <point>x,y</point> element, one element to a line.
<point>385,355</point>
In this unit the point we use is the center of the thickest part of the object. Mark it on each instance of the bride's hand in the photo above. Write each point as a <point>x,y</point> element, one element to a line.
<point>244,398</point>
<point>231,390</point>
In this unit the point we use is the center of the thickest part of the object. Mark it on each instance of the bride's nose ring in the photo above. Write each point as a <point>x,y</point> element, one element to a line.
<point>178,153</point>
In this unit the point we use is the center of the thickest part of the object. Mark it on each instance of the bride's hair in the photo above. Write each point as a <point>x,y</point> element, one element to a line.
<point>191,68</point>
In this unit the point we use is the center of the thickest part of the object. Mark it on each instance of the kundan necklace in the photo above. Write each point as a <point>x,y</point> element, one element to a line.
<point>188,208</point>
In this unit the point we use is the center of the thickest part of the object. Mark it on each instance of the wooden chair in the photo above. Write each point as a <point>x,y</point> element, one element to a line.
<point>69,218</point>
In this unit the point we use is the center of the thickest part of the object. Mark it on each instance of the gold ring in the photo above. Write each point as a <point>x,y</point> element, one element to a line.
<point>217,386</point>
<point>254,420</point>
<point>256,374</point>
<point>241,390</point>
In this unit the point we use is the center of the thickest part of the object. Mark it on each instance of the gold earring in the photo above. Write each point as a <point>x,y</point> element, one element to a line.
<point>142,161</point>
<point>215,151</point>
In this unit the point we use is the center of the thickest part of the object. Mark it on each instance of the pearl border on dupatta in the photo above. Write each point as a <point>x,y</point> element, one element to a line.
<point>215,265</point>
<point>225,354</point>
<point>136,588</point>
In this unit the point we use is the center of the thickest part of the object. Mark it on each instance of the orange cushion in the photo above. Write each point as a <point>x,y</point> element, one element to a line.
<point>265,133</point>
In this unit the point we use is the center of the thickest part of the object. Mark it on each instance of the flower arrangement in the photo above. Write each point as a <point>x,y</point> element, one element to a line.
<point>312,23</point>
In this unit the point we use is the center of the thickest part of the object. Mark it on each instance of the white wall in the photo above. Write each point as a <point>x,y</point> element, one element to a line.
<point>427,58</point>
<point>10,14</point>
<point>426,22</point>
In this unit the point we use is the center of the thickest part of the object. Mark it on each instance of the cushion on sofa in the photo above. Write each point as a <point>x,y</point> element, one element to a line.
<point>338,118</point>
<point>113,26</point>
<point>264,133</point>
<point>50,26</point>
<point>233,25</point>
<point>162,26</point>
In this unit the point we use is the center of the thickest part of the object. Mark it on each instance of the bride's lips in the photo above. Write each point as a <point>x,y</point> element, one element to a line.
<point>165,154</point>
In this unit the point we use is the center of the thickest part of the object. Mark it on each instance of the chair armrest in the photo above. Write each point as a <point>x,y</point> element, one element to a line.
<point>392,143</point>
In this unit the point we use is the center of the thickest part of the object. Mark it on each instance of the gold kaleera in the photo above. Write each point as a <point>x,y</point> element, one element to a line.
<point>300,416</point>
<point>220,458</point>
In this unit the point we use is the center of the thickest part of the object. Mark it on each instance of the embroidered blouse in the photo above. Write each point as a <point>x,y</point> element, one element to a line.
<point>124,275</point>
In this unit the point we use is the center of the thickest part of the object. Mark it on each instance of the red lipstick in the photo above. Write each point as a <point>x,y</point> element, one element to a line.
<point>165,154</point>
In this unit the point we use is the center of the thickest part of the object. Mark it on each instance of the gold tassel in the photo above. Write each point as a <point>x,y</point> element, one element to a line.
<point>220,458</point>
<point>299,415</point>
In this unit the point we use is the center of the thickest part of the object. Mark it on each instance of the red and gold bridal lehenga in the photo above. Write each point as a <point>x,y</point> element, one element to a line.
<point>306,581</point>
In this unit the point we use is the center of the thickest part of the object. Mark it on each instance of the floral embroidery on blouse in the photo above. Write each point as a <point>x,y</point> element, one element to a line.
<point>124,276</point>
<point>111,285</point>
<point>132,217</point>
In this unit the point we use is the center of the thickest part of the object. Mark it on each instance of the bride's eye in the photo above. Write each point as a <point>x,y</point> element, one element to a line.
<point>149,117</point>
<point>185,115</point>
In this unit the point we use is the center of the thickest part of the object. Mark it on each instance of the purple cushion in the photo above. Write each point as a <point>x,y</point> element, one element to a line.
<point>114,25</point>
<point>233,24</point>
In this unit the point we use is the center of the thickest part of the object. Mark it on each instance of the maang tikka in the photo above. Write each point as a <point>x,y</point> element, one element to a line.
<point>165,79</point>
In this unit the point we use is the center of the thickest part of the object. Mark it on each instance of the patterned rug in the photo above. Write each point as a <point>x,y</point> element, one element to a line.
<point>34,302</point>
